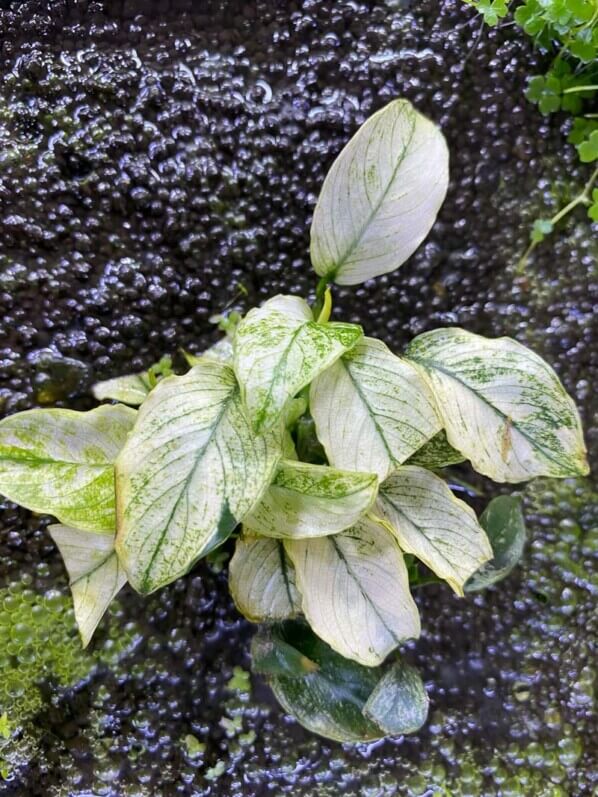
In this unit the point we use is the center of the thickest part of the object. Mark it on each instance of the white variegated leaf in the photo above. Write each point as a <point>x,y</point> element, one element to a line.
<point>372,409</point>
<point>502,406</point>
<point>431,523</point>
<point>355,591</point>
<point>380,197</point>
<point>307,500</point>
<point>94,571</point>
<point>262,579</point>
<point>60,462</point>
<point>132,389</point>
<point>279,349</point>
<point>191,470</point>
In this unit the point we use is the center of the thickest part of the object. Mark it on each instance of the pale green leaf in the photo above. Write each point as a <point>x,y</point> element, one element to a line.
<point>431,523</point>
<point>502,406</point>
<point>221,351</point>
<point>94,572</point>
<point>191,470</point>
<point>355,591</point>
<point>262,580</point>
<point>381,196</point>
<point>399,703</point>
<point>132,389</point>
<point>436,453</point>
<point>60,462</point>
<point>372,410</point>
<point>279,349</point>
<point>307,500</point>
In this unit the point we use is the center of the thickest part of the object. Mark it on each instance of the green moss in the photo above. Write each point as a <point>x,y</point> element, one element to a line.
<point>39,644</point>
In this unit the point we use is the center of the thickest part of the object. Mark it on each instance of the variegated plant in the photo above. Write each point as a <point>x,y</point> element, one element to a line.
<point>320,450</point>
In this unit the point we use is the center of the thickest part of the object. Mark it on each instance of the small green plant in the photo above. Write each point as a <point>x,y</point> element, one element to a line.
<point>320,449</point>
<point>568,31</point>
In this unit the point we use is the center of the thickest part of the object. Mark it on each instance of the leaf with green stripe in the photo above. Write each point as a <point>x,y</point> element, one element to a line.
<point>190,472</point>
<point>431,523</point>
<point>262,579</point>
<point>372,410</point>
<point>60,462</point>
<point>355,591</point>
<point>502,406</point>
<point>279,349</point>
<point>307,500</point>
<point>95,574</point>
<point>381,196</point>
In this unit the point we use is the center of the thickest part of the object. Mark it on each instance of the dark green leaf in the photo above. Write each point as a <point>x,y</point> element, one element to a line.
<point>505,526</point>
<point>333,696</point>
<point>328,701</point>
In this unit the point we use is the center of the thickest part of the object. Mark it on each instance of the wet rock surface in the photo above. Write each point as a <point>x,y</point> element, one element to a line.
<point>158,160</point>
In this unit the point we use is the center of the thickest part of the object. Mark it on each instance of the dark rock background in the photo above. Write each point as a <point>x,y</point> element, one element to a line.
<point>160,159</point>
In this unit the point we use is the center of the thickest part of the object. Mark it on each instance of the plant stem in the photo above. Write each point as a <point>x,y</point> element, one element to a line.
<point>576,89</point>
<point>583,198</point>
<point>324,314</point>
<point>321,288</point>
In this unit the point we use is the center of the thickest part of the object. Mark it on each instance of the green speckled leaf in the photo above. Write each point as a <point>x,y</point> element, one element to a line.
<point>190,472</point>
<point>95,574</point>
<point>431,523</point>
<point>329,699</point>
<point>279,349</point>
<point>502,406</point>
<point>436,453</point>
<point>505,526</point>
<point>60,462</point>
<point>355,591</point>
<point>380,197</point>
<point>132,389</point>
<point>372,410</point>
<point>307,500</point>
<point>262,580</point>
<point>399,703</point>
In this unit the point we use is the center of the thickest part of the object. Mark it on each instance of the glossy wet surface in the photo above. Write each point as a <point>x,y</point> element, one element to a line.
<point>155,158</point>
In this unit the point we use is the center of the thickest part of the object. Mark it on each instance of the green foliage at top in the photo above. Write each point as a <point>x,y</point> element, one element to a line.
<point>567,30</point>
<point>319,448</point>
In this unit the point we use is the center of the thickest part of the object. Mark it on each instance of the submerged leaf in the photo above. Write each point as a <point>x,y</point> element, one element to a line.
<point>307,500</point>
<point>94,572</point>
<point>60,462</point>
<point>372,410</point>
<point>355,591</point>
<point>399,703</point>
<point>503,407</point>
<point>279,349</point>
<point>191,470</point>
<point>262,580</point>
<point>380,197</point>
<point>431,523</point>
<point>505,526</point>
